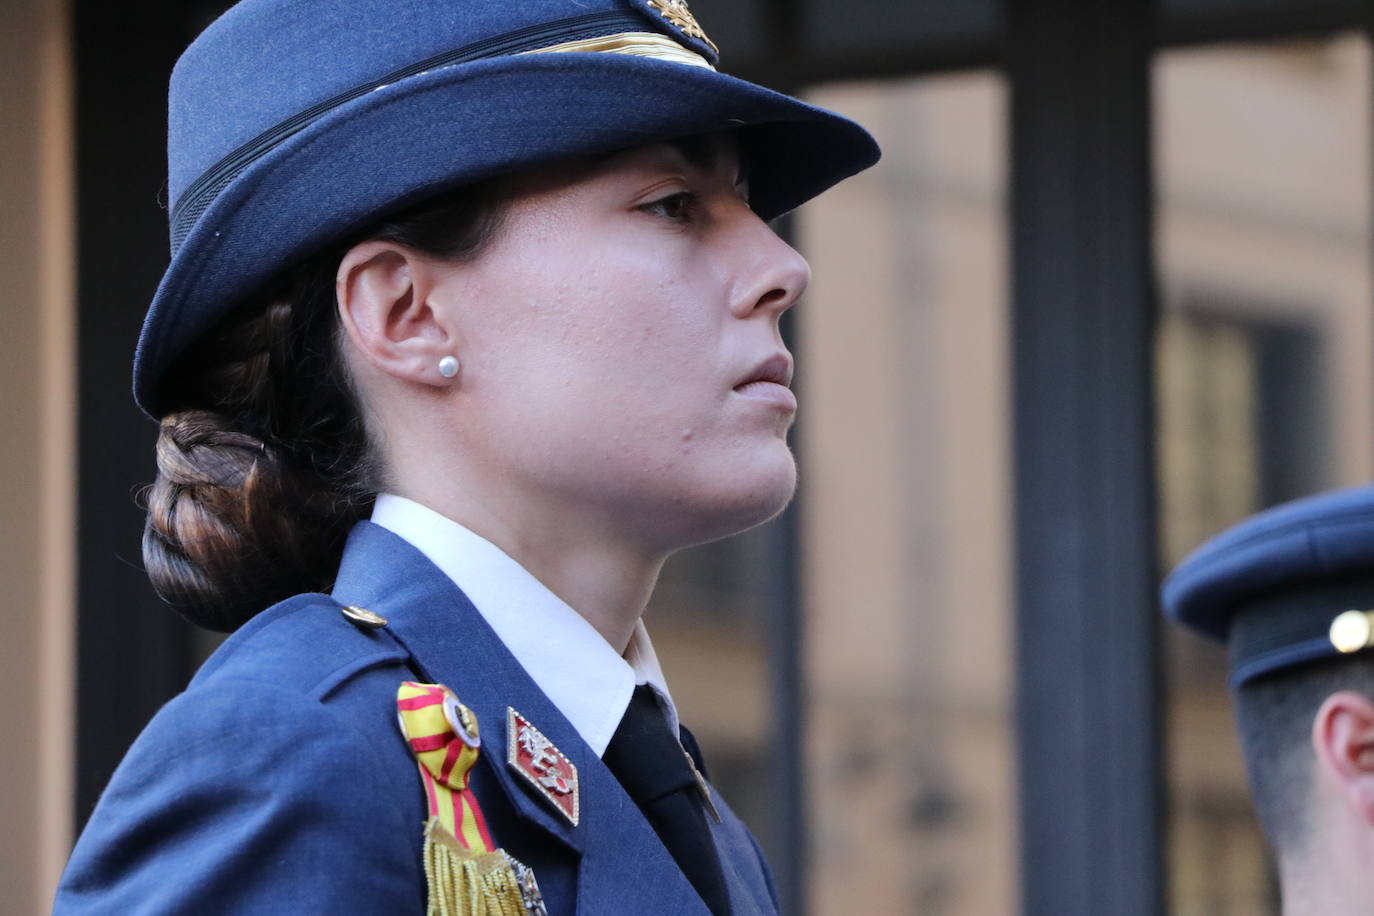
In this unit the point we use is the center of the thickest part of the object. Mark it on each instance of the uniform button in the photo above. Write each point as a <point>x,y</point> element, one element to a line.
<point>362,617</point>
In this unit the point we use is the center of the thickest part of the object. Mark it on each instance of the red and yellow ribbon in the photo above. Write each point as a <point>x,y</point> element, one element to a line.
<point>467,874</point>
<point>445,759</point>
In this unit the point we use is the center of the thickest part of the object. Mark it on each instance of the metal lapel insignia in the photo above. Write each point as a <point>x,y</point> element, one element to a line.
<point>542,765</point>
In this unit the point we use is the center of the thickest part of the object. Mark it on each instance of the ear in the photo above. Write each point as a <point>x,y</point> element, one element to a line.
<point>385,294</point>
<point>1343,739</point>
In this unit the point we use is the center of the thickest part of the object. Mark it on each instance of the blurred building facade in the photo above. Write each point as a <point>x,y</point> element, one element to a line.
<point>868,674</point>
<point>1265,369</point>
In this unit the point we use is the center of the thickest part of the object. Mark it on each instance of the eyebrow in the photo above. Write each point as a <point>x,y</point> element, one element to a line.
<point>701,152</point>
<point>704,152</point>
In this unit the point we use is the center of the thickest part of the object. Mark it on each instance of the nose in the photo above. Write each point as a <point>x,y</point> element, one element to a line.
<point>773,274</point>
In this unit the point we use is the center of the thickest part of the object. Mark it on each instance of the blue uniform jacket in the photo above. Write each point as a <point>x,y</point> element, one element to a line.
<point>279,782</point>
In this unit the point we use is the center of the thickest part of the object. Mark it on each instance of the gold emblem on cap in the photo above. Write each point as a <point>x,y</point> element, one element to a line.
<point>677,13</point>
<point>361,616</point>
<point>1352,631</point>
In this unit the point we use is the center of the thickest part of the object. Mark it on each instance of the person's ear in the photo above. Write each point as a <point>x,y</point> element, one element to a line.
<point>1343,739</point>
<point>384,293</point>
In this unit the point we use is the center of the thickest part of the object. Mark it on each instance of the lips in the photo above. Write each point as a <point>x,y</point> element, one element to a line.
<point>776,369</point>
<point>769,381</point>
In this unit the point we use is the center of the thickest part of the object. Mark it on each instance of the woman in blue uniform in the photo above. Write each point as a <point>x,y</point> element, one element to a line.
<point>471,321</point>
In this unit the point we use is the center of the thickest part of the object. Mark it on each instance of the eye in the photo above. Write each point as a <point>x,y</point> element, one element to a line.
<point>679,207</point>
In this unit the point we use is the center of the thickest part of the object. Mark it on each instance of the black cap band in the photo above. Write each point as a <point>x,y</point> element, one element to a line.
<point>1293,627</point>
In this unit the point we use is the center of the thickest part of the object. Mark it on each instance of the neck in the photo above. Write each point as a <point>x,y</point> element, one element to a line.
<point>607,585</point>
<point>1336,884</point>
<point>606,579</point>
<point>602,560</point>
<point>1302,897</point>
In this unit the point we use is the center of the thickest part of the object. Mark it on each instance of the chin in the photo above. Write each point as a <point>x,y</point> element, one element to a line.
<point>751,499</point>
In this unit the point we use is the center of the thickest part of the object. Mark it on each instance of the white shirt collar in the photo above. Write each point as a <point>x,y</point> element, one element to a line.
<point>564,654</point>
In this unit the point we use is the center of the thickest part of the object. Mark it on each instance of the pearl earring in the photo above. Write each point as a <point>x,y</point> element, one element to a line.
<point>448,366</point>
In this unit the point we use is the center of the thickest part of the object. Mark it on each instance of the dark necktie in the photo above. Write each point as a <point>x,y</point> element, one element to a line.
<point>657,774</point>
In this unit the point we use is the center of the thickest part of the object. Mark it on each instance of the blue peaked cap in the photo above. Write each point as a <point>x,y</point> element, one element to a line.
<point>1272,586</point>
<point>293,123</point>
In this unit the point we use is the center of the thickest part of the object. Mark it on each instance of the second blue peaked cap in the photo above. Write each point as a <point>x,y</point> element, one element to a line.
<point>295,122</point>
<point>1289,586</point>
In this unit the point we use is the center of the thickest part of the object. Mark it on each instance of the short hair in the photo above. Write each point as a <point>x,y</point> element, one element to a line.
<point>1274,715</point>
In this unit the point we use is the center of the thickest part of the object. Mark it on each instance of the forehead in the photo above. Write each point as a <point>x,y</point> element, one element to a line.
<point>711,154</point>
<point>718,152</point>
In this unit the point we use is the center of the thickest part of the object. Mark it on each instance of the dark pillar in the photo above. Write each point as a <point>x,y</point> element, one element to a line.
<point>1086,646</point>
<point>133,652</point>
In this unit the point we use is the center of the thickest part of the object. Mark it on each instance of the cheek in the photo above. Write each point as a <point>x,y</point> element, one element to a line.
<point>625,364</point>
<point>598,391</point>
<point>638,349</point>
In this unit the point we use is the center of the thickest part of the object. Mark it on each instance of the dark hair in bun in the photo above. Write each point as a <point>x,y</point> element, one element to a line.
<point>264,462</point>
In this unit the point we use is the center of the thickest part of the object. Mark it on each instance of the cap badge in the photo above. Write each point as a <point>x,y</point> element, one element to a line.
<point>678,15</point>
<point>1352,631</point>
<point>542,765</point>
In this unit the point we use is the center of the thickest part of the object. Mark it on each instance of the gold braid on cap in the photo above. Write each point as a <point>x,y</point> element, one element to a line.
<point>636,44</point>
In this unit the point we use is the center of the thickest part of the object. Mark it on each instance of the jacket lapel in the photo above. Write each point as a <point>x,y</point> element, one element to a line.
<point>452,644</point>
